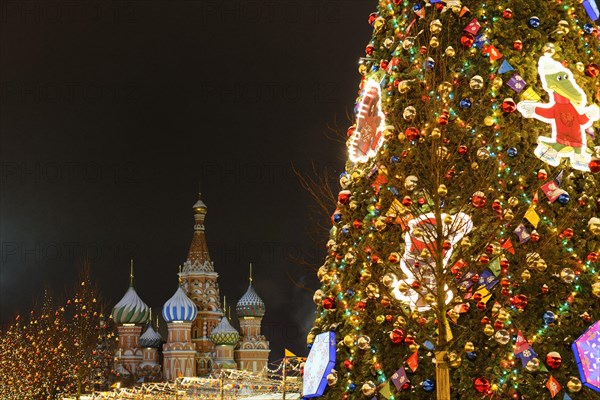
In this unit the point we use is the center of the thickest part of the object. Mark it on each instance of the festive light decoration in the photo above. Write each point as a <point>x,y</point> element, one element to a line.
<point>567,114</point>
<point>367,137</point>
<point>319,364</point>
<point>587,356</point>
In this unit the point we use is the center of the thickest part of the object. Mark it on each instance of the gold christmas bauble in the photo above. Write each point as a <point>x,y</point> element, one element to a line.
<point>436,133</point>
<point>469,347</point>
<point>450,52</point>
<point>574,384</point>
<point>434,42</point>
<point>349,340</point>
<point>541,265</point>
<point>435,26</point>
<point>533,365</point>
<point>526,275</point>
<point>489,120</point>
<point>442,190</point>
<point>488,330</point>
<point>596,289</point>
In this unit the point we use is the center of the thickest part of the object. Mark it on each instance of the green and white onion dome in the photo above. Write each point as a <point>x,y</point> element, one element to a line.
<point>131,309</point>
<point>179,308</point>
<point>250,305</point>
<point>151,338</point>
<point>225,334</point>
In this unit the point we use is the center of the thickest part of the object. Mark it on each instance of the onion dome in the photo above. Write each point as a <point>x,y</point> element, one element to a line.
<point>131,309</point>
<point>225,334</point>
<point>151,338</point>
<point>179,308</point>
<point>250,305</point>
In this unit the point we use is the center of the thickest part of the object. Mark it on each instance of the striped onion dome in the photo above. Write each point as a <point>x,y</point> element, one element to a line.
<point>151,338</point>
<point>179,308</point>
<point>131,309</point>
<point>225,334</point>
<point>250,305</point>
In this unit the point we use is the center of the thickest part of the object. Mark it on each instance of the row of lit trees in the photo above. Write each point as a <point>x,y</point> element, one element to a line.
<point>60,348</point>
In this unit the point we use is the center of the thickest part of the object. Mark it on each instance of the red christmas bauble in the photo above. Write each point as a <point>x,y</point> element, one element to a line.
<point>407,201</point>
<point>369,49</point>
<point>518,45</point>
<point>344,197</point>
<point>519,301</point>
<point>507,14</point>
<point>357,224</point>
<point>372,18</point>
<point>478,200</point>
<point>509,105</point>
<point>482,385</point>
<point>553,360</point>
<point>462,150</point>
<point>328,303</point>
<point>467,40</point>
<point>411,133</point>
<point>397,336</point>
<point>594,165</point>
<point>592,70</point>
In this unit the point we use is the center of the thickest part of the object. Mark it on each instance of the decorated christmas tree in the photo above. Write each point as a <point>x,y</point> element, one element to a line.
<point>464,254</point>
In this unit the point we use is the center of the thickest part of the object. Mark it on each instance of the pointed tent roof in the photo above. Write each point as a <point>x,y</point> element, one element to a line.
<point>198,257</point>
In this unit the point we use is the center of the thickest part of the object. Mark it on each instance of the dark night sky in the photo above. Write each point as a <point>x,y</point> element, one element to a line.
<point>111,112</point>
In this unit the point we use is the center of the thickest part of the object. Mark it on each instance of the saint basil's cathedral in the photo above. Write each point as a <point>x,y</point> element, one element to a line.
<point>200,337</point>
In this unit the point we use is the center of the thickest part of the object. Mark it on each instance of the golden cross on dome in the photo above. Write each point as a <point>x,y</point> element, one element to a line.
<point>250,274</point>
<point>131,273</point>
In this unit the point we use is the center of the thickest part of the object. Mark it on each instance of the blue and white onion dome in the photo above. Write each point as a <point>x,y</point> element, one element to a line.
<point>151,338</point>
<point>131,309</point>
<point>250,305</point>
<point>179,308</point>
<point>225,334</point>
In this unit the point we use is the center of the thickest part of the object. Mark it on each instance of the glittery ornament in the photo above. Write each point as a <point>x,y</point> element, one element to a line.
<point>482,385</point>
<point>567,275</point>
<point>553,360</point>
<point>574,384</point>
<point>533,365</point>
<point>369,388</point>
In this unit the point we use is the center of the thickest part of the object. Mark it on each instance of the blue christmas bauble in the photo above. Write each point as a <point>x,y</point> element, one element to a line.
<point>588,28</point>
<point>416,7</point>
<point>395,159</point>
<point>345,231</point>
<point>352,387</point>
<point>534,22</point>
<point>512,152</point>
<point>465,103</point>
<point>350,293</point>
<point>549,317</point>
<point>472,356</point>
<point>564,198</point>
<point>428,385</point>
<point>429,63</point>
<point>337,217</point>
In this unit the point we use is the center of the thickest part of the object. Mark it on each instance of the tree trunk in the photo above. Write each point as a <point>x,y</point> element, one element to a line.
<point>442,376</point>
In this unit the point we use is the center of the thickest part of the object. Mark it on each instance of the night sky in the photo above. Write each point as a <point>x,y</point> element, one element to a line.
<point>112,112</point>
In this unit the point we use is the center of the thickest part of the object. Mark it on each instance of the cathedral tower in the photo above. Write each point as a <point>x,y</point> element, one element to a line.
<point>179,354</point>
<point>200,283</point>
<point>129,315</point>
<point>252,353</point>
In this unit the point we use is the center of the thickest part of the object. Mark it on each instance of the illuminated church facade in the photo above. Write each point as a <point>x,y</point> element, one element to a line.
<point>201,339</point>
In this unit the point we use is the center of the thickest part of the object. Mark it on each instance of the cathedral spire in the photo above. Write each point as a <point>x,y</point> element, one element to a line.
<point>198,258</point>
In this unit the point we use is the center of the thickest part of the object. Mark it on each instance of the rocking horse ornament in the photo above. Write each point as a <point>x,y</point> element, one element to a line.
<point>367,137</point>
<point>567,114</point>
